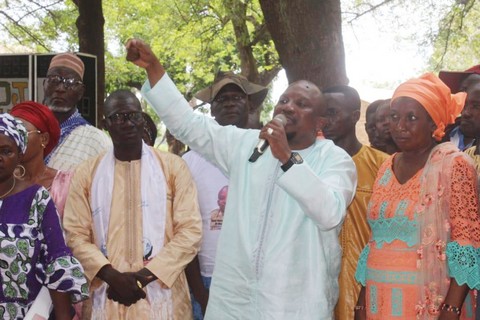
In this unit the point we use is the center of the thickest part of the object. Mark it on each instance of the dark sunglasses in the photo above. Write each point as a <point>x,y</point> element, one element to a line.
<point>121,117</point>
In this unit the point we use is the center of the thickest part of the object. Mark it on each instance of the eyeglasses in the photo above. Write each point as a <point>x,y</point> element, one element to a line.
<point>33,131</point>
<point>68,83</point>
<point>235,98</point>
<point>121,117</point>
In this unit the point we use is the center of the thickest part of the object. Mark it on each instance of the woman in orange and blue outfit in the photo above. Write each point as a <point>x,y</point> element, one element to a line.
<point>423,257</point>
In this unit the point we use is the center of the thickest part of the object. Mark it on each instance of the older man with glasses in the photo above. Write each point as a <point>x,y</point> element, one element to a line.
<point>63,89</point>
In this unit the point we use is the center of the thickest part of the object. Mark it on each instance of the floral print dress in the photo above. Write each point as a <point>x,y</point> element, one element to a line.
<point>33,253</point>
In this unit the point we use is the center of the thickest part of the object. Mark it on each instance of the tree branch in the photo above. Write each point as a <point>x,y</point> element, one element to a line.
<point>39,7</point>
<point>11,33</point>
<point>357,15</point>
<point>268,75</point>
<point>24,29</point>
<point>261,33</point>
<point>449,28</point>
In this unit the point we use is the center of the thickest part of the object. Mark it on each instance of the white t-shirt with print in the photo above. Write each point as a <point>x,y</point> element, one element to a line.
<point>209,181</point>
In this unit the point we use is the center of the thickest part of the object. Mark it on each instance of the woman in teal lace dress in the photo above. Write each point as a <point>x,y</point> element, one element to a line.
<point>423,256</point>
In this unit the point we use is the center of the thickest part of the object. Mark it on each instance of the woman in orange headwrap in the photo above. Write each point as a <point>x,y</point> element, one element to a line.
<point>423,255</point>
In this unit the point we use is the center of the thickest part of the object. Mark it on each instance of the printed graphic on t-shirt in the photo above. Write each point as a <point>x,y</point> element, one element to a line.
<point>216,216</point>
<point>147,251</point>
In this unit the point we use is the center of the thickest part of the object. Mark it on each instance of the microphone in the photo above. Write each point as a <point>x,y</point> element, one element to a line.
<point>262,143</point>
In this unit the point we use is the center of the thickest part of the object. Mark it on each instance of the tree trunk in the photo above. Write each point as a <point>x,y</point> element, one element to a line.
<point>90,24</point>
<point>237,12</point>
<point>308,37</point>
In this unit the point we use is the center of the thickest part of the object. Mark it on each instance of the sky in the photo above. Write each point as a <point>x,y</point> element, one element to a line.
<point>385,48</point>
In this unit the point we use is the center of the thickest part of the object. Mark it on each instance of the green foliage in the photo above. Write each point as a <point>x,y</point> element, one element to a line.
<point>193,38</point>
<point>268,105</point>
<point>39,26</point>
<point>457,45</point>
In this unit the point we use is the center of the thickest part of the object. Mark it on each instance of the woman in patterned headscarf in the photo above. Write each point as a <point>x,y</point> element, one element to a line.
<point>423,255</point>
<point>33,251</point>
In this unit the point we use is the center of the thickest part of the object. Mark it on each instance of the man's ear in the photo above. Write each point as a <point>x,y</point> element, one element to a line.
<point>104,124</point>
<point>321,122</point>
<point>356,116</point>
<point>252,108</point>
<point>80,93</point>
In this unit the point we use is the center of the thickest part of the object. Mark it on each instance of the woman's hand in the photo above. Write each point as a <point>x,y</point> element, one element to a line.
<point>447,315</point>
<point>360,312</point>
<point>62,305</point>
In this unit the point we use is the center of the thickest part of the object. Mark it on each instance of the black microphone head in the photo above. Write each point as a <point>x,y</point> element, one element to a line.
<point>255,155</point>
<point>263,144</point>
<point>281,119</point>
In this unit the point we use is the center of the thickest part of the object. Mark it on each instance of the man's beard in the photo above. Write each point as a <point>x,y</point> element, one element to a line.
<point>291,135</point>
<point>60,109</point>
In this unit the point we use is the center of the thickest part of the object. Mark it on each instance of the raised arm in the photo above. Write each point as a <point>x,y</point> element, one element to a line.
<point>201,133</point>
<point>140,53</point>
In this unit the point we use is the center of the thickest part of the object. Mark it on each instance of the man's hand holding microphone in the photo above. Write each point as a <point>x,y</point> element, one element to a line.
<point>273,135</point>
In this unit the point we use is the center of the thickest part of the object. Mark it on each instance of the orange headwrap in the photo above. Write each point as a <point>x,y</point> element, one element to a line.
<point>42,118</point>
<point>436,98</point>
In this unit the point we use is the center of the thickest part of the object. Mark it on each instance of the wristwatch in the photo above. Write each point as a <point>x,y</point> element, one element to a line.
<point>295,158</point>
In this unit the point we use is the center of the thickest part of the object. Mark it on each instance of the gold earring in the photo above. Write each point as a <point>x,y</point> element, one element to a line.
<point>19,168</point>
<point>43,145</point>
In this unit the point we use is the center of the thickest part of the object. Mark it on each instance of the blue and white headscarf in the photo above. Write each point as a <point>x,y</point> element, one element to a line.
<point>14,129</point>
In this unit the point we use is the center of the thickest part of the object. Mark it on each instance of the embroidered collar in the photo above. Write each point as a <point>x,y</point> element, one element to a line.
<point>66,127</point>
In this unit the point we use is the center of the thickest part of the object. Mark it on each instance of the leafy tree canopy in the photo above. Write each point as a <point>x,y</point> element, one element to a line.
<point>457,46</point>
<point>194,39</point>
<point>38,26</point>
